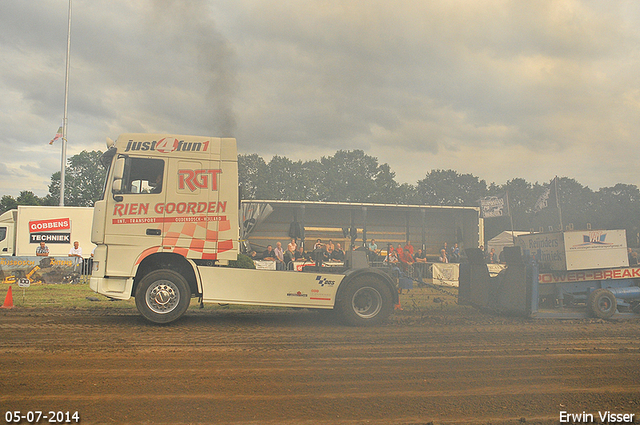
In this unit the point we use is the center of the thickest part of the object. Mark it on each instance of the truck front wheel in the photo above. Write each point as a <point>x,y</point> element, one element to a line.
<point>366,301</point>
<point>163,296</point>
<point>602,303</point>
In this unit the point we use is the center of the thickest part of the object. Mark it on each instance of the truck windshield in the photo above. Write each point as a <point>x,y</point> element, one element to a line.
<point>3,233</point>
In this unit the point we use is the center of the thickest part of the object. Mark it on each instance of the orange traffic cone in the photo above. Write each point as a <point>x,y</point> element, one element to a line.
<point>8,301</point>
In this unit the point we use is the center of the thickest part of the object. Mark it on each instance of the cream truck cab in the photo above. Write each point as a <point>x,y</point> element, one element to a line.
<point>168,224</point>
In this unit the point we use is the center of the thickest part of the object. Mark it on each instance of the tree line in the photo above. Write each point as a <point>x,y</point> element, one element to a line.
<point>84,179</point>
<point>353,176</point>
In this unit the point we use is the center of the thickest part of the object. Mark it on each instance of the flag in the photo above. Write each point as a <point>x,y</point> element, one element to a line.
<point>57,137</point>
<point>549,197</point>
<point>494,206</point>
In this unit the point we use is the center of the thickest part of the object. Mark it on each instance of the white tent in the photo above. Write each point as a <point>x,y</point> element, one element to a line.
<point>503,239</point>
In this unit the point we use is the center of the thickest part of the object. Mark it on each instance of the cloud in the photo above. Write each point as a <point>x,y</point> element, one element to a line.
<point>473,85</point>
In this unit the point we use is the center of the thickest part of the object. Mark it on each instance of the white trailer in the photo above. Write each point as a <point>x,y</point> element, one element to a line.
<point>22,230</point>
<point>168,224</point>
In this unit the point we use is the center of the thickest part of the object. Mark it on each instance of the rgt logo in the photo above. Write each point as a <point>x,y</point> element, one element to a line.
<point>198,179</point>
<point>595,238</point>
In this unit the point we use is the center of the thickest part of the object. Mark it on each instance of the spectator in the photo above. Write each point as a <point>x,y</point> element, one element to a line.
<point>318,244</point>
<point>279,256</point>
<point>421,256</point>
<point>338,253</point>
<point>421,263</point>
<point>492,258</point>
<point>633,259</point>
<point>443,256</point>
<point>289,255</point>
<point>300,254</point>
<point>372,253</point>
<point>392,258</point>
<point>407,259</point>
<point>330,247</point>
<point>268,254</point>
<point>292,244</point>
<point>42,250</point>
<point>455,254</point>
<point>319,254</point>
<point>409,247</point>
<point>76,254</point>
<point>399,252</point>
<point>373,246</point>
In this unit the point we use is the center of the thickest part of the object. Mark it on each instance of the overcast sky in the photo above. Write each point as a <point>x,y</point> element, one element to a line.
<point>497,88</point>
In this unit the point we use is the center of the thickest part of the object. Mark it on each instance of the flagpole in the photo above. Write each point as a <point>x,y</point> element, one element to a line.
<point>63,160</point>
<point>510,218</point>
<point>558,204</point>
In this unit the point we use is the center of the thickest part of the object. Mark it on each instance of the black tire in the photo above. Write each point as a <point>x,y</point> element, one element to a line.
<point>602,303</point>
<point>365,301</point>
<point>163,296</point>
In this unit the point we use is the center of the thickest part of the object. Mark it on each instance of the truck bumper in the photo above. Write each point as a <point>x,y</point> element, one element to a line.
<point>114,287</point>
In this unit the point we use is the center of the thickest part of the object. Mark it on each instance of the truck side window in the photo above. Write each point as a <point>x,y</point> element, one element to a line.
<point>143,175</point>
<point>3,233</point>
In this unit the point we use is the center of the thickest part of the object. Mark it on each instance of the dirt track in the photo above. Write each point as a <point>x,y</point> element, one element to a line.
<point>298,367</point>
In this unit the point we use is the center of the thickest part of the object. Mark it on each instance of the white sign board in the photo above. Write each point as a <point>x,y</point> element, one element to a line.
<point>577,250</point>
<point>547,248</point>
<point>446,273</point>
<point>596,249</point>
<point>265,264</point>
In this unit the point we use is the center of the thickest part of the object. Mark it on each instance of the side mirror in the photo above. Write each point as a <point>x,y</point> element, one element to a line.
<point>118,170</point>
<point>116,187</point>
<point>118,174</point>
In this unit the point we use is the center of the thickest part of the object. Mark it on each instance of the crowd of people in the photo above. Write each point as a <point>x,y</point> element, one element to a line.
<point>407,258</point>
<point>409,255</point>
<point>329,252</point>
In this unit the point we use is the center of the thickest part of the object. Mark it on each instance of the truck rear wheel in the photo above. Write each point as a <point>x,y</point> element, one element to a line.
<point>602,303</point>
<point>163,296</point>
<point>366,301</point>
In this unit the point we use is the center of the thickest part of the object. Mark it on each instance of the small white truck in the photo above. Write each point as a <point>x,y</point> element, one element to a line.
<point>22,230</point>
<point>168,224</point>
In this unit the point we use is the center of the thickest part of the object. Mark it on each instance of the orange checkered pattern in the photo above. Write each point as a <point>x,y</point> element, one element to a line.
<point>193,240</point>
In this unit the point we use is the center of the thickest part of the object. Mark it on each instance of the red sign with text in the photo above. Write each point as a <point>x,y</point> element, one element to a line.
<point>49,225</point>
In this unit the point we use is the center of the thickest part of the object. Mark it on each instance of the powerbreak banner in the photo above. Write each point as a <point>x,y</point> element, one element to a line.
<point>38,270</point>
